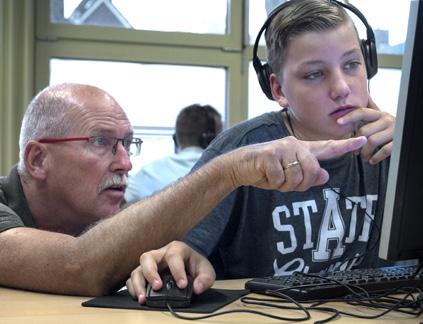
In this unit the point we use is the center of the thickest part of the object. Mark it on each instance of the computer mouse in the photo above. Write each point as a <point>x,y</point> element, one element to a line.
<point>170,294</point>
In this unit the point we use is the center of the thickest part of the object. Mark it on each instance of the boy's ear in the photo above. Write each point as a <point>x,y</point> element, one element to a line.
<point>277,92</point>
<point>35,158</point>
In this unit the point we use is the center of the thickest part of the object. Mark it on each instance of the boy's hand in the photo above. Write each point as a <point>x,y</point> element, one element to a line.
<point>377,127</point>
<point>180,259</point>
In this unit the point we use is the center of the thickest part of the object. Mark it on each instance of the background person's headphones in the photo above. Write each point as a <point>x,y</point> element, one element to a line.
<point>368,47</point>
<point>210,130</point>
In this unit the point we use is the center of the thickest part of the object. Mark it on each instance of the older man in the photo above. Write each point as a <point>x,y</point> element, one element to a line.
<point>61,230</point>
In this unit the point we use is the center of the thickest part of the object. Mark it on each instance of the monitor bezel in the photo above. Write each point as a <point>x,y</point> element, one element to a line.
<point>399,238</point>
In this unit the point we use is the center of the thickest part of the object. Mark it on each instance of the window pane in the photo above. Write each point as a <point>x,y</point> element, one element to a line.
<point>390,28</point>
<point>384,89</point>
<point>389,25</point>
<point>191,16</point>
<point>156,144</point>
<point>151,94</point>
<point>256,18</point>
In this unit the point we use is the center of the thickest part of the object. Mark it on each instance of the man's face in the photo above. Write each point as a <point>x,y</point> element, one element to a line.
<point>80,175</point>
<point>324,78</point>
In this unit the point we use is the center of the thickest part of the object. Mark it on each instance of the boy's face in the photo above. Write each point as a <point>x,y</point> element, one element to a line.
<point>323,78</point>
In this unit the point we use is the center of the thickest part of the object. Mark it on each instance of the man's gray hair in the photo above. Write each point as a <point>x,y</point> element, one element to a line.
<point>47,116</point>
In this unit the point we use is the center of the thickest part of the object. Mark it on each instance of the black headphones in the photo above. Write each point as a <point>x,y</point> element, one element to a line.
<point>210,130</point>
<point>368,47</point>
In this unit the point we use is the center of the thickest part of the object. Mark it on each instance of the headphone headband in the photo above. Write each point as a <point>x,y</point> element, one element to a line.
<point>368,47</point>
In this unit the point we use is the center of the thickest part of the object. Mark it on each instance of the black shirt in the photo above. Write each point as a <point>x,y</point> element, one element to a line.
<point>14,210</point>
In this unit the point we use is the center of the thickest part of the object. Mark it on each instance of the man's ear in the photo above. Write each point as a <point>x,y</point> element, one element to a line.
<point>35,158</point>
<point>277,92</point>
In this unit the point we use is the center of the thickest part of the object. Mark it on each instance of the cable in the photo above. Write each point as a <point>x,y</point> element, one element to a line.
<point>372,219</point>
<point>377,301</point>
<point>307,315</point>
<point>408,304</point>
<point>418,270</point>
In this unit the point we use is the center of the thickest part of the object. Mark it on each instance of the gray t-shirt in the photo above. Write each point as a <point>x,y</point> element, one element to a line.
<point>14,210</point>
<point>256,232</point>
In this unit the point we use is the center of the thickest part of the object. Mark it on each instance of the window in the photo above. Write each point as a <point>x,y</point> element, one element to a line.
<point>384,89</point>
<point>390,28</point>
<point>154,57</point>
<point>257,16</point>
<point>151,96</point>
<point>191,16</point>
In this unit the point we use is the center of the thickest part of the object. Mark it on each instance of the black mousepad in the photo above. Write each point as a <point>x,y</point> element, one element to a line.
<point>208,302</point>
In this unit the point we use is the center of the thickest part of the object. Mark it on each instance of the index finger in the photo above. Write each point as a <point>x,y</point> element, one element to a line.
<point>176,263</point>
<point>325,150</point>
<point>136,285</point>
<point>149,263</point>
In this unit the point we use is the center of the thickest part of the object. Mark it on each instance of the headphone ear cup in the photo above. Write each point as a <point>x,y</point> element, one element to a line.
<point>206,139</point>
<point>210,129</point>
<point>202,141</point>
<point>368,48</point>
<point>263,77</point>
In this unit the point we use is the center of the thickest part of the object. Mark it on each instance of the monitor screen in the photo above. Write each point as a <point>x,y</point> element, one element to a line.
<point>402,227</point>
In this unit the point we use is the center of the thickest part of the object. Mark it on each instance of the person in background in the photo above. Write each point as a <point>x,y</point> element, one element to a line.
<point>196,126</point>
<point>318,71</point>
<point>62,229</point>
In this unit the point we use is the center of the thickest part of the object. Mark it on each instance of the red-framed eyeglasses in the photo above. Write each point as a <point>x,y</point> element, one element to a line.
<point>101,142</point>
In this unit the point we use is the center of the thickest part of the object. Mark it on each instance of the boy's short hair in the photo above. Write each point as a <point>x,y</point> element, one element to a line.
<point>296,17</point>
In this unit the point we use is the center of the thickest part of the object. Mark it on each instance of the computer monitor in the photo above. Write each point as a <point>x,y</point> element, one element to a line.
<point>402,227</point>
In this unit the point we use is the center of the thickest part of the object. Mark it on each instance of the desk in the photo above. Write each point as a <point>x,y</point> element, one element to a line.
<point>17,307</point>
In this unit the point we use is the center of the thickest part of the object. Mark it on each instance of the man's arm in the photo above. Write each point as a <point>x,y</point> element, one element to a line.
<point>101,259</point>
